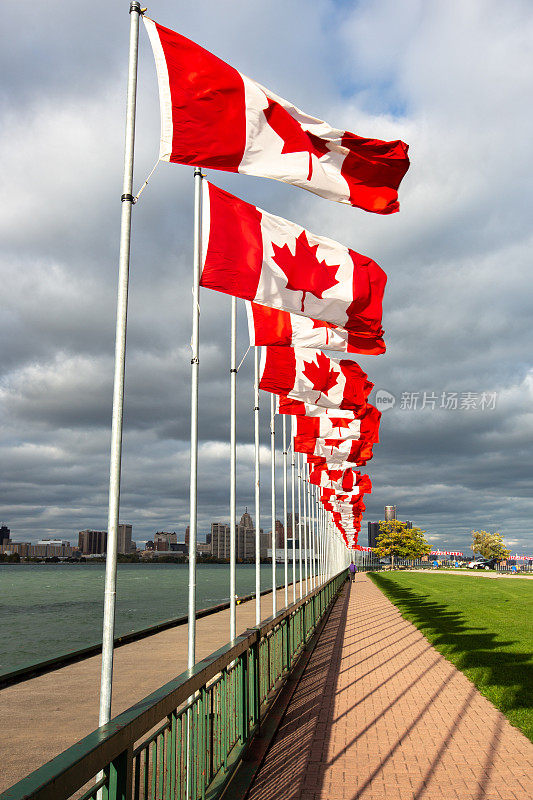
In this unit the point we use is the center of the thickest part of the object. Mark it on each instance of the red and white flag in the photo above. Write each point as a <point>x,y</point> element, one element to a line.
<point>332,425</point>
<point>336,451</point>
<point>249,253</point>
<point>314,378</point>
<point>270,326</point>
<point>341,480</point>
<point>214,116</point>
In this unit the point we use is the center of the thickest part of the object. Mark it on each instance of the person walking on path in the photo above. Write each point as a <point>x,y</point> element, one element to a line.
<point>353,570</point>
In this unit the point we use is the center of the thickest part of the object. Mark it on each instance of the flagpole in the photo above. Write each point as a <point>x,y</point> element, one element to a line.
<point>273,489</point>
<point>195,366</point>
<point>293,514</point>
<point>257,492</point>
<point>233,471</point>
<point>108,633</point>
<point>306,539</point>
<point>300,538</point>
<point>312,547</point>
<point>285,543</point>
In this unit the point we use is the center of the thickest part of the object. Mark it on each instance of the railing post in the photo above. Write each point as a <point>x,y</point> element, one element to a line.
<point>119,777</point>
<point>243,691</point>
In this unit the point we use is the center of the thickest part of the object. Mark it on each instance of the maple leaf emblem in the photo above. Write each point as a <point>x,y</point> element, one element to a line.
<point>305,273</point>
<point>340,423</point>
<point>295,139</point>
<point>321,376</point>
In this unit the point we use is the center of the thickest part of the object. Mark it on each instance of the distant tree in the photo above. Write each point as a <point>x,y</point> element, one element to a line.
<point>397,540</point>
<point>489,545</point>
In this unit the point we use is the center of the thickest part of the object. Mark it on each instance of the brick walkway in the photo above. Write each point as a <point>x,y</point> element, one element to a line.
<point>379,713</point>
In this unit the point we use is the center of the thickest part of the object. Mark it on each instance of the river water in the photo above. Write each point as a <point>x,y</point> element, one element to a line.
<point>47,610</point>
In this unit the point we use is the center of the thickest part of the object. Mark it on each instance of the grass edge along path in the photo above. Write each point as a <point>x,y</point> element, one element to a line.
<point>483,627</point>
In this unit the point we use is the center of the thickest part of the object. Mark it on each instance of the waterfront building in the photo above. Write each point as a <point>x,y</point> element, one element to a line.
<point>245,540</point>
<point>124,544</point>
<point>22,548</point>
<point>163,540</point>
<point>92,543</point>
<point>5,535</point>
<point>280,534</point>
<point>220,540</point>
<point>51,548</point>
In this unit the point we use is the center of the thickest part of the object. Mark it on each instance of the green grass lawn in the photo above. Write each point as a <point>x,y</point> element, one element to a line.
<point>482,626</point>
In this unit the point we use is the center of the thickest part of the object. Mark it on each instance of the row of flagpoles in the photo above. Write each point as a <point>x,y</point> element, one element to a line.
<point>304,293</point>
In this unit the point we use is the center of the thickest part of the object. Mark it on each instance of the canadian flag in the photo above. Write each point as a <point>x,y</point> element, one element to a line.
<point>270,326</point>
<point>214,116</point>
<point>331,425</point>
<point>340,480</point>
<point>336,451</point>
<point>314,378</point>
<point>249,253</point>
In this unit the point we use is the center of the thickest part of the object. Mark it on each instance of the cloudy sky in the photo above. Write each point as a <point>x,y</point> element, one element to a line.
<point>452,78</point>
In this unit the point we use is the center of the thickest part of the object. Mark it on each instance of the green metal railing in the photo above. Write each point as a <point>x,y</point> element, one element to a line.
<point>184,740</point>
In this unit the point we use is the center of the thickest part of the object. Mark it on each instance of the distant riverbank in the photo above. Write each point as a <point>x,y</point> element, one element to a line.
<point>47,610</point>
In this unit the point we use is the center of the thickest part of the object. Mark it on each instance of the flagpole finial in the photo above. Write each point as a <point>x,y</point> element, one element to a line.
<point>136,6</point>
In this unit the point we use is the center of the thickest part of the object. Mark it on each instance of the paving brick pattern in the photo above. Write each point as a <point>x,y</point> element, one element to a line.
<point>379,714</point>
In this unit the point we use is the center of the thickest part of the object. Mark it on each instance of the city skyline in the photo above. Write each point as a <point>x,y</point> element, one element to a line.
<point>456,383</point>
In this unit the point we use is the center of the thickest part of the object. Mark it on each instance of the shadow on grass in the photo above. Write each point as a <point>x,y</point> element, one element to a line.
<point>504,676</point>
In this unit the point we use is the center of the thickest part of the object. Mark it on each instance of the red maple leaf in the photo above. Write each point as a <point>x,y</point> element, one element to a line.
<point>340,422</point>
<point>321,376</point>
<point>305,273</point>
<point>295,139</point>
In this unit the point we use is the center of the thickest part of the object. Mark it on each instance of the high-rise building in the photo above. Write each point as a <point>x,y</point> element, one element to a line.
<point>124,544</point>
<point>280,534</point>
<point>289,524</point>
<point>92,543</point>
<point>220,540</point>
<point>373,527</point>
<point>373,533</point>
<point>246,538</point>
<point>5,534</point>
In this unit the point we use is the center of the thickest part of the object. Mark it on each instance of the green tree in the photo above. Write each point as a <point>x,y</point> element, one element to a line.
<point>489,545</point>
<point>397,540</point>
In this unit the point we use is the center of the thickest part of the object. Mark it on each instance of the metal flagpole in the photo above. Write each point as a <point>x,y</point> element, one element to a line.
<point>310,529</point>
<point>285,518</point>
<point>300,535</point>
<point>108,632</point>
<point>233,471</point>
<point>304,492</point>
<point>195,365</point>
<point>313,539</point>
<point>273,481</point>
<point>257,492</point>
<point>293,514</point>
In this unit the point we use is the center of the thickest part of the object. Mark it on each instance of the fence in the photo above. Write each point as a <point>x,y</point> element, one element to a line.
<point>185,739</point>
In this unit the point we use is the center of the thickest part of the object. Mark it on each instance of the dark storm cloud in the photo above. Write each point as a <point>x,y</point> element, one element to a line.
<point>448,78</point>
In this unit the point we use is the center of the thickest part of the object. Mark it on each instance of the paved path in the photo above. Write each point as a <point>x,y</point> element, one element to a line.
<point>380,714</point>
<point>43,716</point>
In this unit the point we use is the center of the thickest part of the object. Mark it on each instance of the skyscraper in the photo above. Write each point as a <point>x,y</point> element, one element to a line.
<point>220,540</point>
<point>124,544</point>
<point>5,533</point>
<point>92,543</point>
